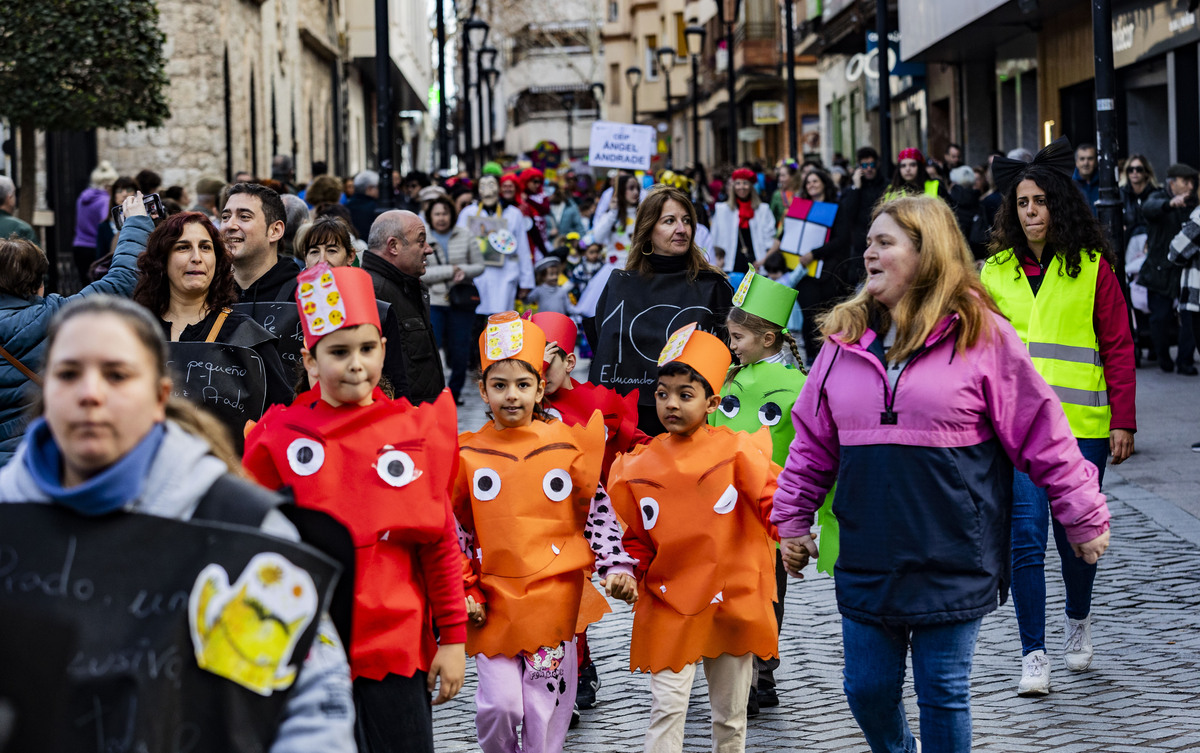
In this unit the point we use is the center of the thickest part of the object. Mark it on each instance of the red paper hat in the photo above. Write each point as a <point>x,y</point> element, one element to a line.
<point>911,153</point>
<point>510,178</point>
<point>529,174</point>
<point>330,299</point>
<point>744,173</point>
<point>507,335</point>
<point>558,328</point>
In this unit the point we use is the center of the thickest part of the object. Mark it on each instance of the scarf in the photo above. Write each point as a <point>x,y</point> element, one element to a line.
<point>745,213</point>
<point>109,490</point>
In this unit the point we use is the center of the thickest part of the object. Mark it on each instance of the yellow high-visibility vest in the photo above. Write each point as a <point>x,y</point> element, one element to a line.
<point>1056,326</point>
<point>931,189</point>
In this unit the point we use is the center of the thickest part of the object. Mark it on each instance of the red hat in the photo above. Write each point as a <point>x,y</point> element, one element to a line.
<point>744,173</point>
<point>330,299</point>
<point>510,178</point>
<point>911,154</point>
<point>558,328</point>
<point>527,175</point>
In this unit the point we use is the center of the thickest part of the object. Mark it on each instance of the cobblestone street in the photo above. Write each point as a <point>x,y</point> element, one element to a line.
<point>1141,693</point>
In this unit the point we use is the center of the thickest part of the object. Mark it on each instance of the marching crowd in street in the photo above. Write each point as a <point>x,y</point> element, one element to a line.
<point>256,390</point>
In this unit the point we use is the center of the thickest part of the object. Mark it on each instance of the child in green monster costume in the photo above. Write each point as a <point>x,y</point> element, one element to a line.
<point>760,392</point>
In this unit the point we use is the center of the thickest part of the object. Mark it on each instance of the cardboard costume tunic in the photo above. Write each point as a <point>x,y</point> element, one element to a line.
<point>621,434</point>
<point>698,510</point>
<point>384,471</point>
<point>523,494</point>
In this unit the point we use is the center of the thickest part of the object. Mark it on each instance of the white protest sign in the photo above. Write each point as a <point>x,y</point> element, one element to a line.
<point>621,145</point>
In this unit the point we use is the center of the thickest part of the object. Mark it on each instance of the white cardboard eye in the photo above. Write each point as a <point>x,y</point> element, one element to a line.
<point>769,414</point>
<point>486,484</point>
<point>557,485</point>
<point>730,405</point>
<point>649,508</point>
<point>397,468</point>
<point>727,501</point>
<point>305,456</point>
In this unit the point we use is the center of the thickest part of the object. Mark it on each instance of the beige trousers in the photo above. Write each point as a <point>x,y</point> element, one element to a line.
<point>728,689</point>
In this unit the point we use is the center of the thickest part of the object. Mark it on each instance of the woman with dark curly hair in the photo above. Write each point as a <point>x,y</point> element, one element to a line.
<point>187,282</point>
<point>1052,274</point>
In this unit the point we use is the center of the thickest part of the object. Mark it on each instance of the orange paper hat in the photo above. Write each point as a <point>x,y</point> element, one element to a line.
<point>705,353</point>
<point>330,299</point>
<point>509,336</point>
<point>558,328</point>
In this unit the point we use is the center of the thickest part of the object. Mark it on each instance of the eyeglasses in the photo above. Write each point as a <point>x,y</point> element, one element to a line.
<point>866,165</point>
<point>1135,169</point>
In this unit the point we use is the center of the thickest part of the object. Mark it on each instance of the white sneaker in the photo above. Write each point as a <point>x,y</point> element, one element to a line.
<point>1077,648</point>
<point>1035,675</point>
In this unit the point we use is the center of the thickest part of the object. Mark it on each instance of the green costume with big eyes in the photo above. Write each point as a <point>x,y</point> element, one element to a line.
<point>762,394</point>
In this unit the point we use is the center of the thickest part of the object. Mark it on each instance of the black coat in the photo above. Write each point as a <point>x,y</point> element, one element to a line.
<point>409,299</point>
<point>1163,223</point>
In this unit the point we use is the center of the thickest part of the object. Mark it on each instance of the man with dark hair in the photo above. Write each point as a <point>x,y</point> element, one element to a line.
<point>253,221</point>
<point>952,157</point>
<point>283,171</point>
<point>148,182</point>
<point>849,238</point>
<point>395,259</point>
<point>1085,174</point>
<point>1165,211</point>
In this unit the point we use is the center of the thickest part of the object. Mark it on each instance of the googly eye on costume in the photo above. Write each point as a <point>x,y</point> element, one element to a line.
<point>727,502</point>
<point>485,484</point>
<point>649,508</point>
<point>730,405</point>
<point>769,414</point>
<point>305,456</point>
<point>397,468</point>
<point>557,485</point>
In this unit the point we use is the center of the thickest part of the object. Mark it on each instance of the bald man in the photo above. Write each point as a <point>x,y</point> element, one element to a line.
<point>396,260</point>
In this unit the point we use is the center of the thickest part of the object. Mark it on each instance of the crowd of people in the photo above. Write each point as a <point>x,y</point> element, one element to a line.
<point>914,401</point>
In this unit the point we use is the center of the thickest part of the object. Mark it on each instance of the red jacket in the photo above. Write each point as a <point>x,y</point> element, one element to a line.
<point>385,472</point>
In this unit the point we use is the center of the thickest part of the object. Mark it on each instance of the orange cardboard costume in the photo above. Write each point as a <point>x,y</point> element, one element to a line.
<point>698,513</point>
<point>524,495</point>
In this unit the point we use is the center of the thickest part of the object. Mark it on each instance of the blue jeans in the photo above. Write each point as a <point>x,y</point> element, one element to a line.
<point>874,678</point>
<point>452,331</point>
<point>1031,514</point>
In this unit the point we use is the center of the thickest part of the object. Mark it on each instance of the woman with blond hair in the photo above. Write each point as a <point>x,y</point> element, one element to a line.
<point>667,283</point>
<point>919,409</point>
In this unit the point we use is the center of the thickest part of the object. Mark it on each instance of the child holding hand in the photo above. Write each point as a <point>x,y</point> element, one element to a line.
<point>697,502</point>
<point>524,499</point>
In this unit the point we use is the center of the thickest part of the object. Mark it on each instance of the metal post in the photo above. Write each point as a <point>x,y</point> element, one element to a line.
<point>383,110</point>
<point>479,92</point>
<point>465,101</point>
<point>490,80</point>
<point>670,130</point>
<point>730,76</point>
<point>486,95</point>
<point>570,128</point>
<point>793,141</point>
<point>634,96</point>
<point>1109,206</point>
<point>443,139</point>
<point>695,110</point>
<point>885,85</point>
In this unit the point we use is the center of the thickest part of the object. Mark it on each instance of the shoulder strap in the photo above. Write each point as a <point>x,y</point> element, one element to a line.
<point>28,372</point>
<point>234,500</point>
<point>220,322</point>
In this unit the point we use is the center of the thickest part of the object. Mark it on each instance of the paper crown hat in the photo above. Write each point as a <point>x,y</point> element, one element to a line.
<point>507,335</point>
<point>762,296</point>
<point>705,353</point>
<point>330,299</point>
<point>558,329</point>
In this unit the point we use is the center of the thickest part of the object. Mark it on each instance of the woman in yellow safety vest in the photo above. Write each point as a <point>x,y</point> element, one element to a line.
<point>1052,274</point>
<point>912,178</point>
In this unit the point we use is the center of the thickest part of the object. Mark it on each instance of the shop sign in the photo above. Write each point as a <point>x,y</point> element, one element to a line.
<point>1151,28</point>
<point>768,113</point>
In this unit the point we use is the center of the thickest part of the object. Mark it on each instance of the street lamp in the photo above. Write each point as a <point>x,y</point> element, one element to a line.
<point>598,95</point>
<point>568,101</point>
<point>695,41</point>
<point>729,10</point>
<point>489,78</point>
<point>666,61</point>
<point>633,76</point>
<point>793,142</point>
<point>484,59</point>
<point>475,33</point>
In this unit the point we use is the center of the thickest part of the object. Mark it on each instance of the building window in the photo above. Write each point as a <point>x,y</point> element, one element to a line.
<point>614,10</point>
<point>651,66</point>
<point>681,48</point>
<point>614,84</point>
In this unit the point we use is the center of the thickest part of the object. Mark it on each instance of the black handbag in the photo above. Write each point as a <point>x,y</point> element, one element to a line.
<point>463,296</point>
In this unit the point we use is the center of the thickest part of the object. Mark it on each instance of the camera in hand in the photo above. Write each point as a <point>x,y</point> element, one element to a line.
<point>154,208</point>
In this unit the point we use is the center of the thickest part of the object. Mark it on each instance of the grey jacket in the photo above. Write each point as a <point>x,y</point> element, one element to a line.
<point>459,254</point>
<point>179,476</point>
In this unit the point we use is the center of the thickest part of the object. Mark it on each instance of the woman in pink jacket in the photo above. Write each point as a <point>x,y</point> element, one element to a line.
<point>920,408</point>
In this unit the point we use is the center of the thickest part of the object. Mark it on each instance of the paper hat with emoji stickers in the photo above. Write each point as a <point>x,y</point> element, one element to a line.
<point>509,336</point>
<point>330,299</point>
<point>762,296</point>
<point>705,353</point>
<point>558,328</point>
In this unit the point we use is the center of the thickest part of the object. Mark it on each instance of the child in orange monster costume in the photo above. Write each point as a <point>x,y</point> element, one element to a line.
<point>525,501</point>
<point>697,502</point>
<point>574,403</point>
<point>383,469</point>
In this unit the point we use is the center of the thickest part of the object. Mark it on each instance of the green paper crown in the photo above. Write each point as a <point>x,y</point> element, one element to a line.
<point>764,297</point>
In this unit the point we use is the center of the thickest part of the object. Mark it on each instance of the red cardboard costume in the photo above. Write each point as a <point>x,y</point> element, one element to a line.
<point>384,471</point>
<point>698,515</point>
<point>576,405</point>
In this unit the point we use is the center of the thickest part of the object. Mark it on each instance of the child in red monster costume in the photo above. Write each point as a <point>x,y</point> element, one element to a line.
<point>383,469</point>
